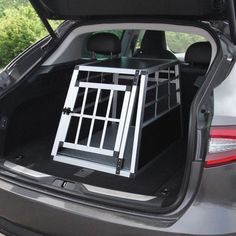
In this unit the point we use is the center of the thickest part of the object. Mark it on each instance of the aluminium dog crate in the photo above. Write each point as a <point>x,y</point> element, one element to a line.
<point>108,105</point>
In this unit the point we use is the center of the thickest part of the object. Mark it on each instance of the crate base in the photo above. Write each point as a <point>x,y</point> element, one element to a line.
<point>77,155</point>
<point>90,165</point>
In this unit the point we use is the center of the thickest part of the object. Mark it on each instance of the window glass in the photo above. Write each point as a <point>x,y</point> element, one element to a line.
<point>139,40</point>
<point>179,42</point>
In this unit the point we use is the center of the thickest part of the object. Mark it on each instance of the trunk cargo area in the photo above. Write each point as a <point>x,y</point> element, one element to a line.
<point>165,172</point>
<point>33,112</point>
<point>34,122</point>
<point>30,145</point>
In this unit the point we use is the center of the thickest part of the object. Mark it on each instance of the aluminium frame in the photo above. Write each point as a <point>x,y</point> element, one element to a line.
<point>139,77</point>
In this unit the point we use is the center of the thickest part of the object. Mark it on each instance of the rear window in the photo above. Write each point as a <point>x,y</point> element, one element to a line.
<point>179,42</point>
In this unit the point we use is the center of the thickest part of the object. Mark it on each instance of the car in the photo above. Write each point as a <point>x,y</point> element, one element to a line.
<point>122,121</point>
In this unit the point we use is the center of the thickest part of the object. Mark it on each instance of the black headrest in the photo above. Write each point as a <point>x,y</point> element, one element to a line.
<point>153,41</point>
<point>104,43</point>
<point>199,53</point>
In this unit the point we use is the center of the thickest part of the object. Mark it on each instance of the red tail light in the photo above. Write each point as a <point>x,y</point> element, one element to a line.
<point>222,147</point>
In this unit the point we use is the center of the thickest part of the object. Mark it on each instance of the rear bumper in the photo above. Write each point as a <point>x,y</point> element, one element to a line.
<point>10,229</point>
<point>24,211</point>
<point>47,215</point>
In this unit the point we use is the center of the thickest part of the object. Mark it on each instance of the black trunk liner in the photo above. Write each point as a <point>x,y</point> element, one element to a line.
<point>148,181</point>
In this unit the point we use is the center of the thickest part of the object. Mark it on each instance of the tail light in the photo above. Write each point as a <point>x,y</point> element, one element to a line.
<point>222,148</point>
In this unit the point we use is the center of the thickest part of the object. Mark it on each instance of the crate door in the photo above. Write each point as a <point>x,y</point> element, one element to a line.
<point>113,125</point>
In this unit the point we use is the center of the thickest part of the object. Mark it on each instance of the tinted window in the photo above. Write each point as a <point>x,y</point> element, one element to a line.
<point>176,42</point>
<point>179,42</point>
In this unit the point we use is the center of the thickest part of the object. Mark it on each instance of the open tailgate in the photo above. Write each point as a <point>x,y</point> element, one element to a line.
<point>75,9</point>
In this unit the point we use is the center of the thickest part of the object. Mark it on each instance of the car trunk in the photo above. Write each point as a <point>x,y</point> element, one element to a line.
<point>162,176</point>
<point>33,112</point>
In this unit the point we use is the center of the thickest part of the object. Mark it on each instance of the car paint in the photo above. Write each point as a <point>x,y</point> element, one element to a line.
<point>225,100</point>
<point>213,212</point>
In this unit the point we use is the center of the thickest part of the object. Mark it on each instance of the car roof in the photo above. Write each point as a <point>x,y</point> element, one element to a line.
<point>77,9</point>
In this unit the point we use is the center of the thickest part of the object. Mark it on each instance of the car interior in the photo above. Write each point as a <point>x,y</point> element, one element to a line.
<point>34,109</point>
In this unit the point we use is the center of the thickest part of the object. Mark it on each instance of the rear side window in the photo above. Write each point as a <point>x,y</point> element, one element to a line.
<point>179,42</point>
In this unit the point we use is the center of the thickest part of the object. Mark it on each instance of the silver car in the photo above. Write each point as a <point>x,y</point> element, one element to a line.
<point>122,121</point>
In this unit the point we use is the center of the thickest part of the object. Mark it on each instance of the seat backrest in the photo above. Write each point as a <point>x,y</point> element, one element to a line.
<point>197,60</point>
<point>104,43</point>
<point>153,45</point>
<point>198,57</point>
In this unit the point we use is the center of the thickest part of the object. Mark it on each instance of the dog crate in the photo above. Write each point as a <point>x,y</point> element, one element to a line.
<point>108,105</point>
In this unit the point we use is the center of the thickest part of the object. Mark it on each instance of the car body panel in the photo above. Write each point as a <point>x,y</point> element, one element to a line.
<point>225,100</point>
<point>213,212</point>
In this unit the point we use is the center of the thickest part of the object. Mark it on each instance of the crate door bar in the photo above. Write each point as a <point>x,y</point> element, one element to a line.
<point>114,105</point>
<point>123,121</point>
<point>65,119</point>
<point>81,117</point>
<point>128,121</point>
<point>94,116</point>
<point>88,149</point>
<point>139,121</point>
<point>102,86</point>
<point>106,119</point>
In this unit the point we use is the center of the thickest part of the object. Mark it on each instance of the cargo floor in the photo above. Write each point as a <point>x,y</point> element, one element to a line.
<point>165,170</point>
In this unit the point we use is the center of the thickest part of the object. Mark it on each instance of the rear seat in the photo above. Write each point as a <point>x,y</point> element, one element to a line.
<point>154,46</point>
<point>197,60</point>
<point>104,43</point>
